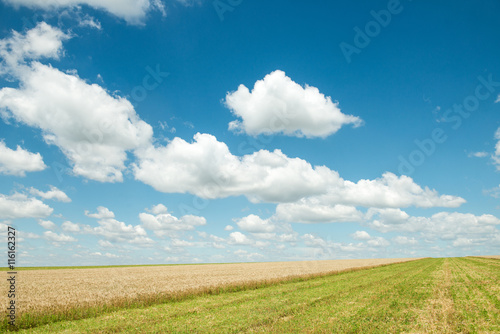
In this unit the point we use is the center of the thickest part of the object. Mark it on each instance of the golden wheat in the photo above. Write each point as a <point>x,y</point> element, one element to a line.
<point>491,256</point>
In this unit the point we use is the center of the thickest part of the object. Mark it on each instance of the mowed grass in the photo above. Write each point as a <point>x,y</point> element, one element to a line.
<point>452,295</point>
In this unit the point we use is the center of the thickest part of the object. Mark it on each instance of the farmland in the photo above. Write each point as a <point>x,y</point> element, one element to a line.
<point>491,257</point>
<point>428,295</point>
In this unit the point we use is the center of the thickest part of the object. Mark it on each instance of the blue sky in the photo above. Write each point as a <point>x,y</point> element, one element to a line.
<point>230,131</point>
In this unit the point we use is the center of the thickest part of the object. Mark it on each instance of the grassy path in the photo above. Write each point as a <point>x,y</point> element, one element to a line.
<point>455,295</point>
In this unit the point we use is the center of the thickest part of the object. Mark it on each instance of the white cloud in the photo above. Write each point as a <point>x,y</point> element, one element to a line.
<point>494,192</point>
<point>478,154</point>
<point>90,22</point>
<point>30,235</point>
<point>228,228</point>
<point>390,191</point>
<point>105,244</point>
<point>497,147</point>
<point>378,242</point>
<point>371,241</point>
<point>181,243</point>
<point>238,238</point>
<point>279,105</point>
<point>102,213</point>
<point>108,255</point>
<point>463,242</point>
<point>91,127</point>
<point>53,194</point>
<point>496,156</point>
<point>20,161</point>
<point>4,227</point>
<point>306,211</point>
<point>207,169</point>
<point>311,240</point>
<point>43,41</point>
<point>20,206</point>
<point>132,11</point>
<point>255,224</point>
<point>47,224</point>
<point>158,209</point>
<point>114,230</point>
<point>361,235</point>
<point>248,256</point>
<point>212,237</point>
<point>68,226</point>
<point>442,225</point>
<point>402,240</point>
<point>163,221</point>
<point>288,237</point>
<point>58,238</point>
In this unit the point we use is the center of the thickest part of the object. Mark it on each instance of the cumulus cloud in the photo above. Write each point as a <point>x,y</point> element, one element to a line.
<point>43,41</point>
<point>390,191</point>
<point>180,243</point>
<point>105,244</point>
<point>402,240</point>
<point>53,194</point>
<point>207,169</point>
<point>102,213</point>
<point>496,156</point>
<point>132,11</point>
<point>279,105</point>
<point>312,240</point>
<point>47,224</point>
<point>378,242</point>
<point>162,222</point>
<point>478,154</point>
<point>114,230</point>
<point>307,211</point>
<point>108,255</point>
<point>361,235</point>
<point>58,238</point>
<point>158,209</point>
<point>21,206</point>
<point>238,238</point>
<point>370,241</point>
<point>255,224</point>
<point>442,225</point>
<point>91,127</point>
<point>68,226</point>
<point>18,162</point>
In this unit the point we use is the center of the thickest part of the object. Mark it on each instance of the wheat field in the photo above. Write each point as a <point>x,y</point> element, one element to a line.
<point>431,295</point>
<point>491,256</point>
<point>53,291</point>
